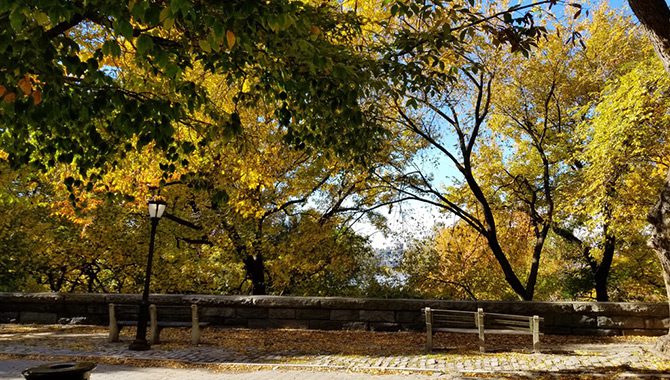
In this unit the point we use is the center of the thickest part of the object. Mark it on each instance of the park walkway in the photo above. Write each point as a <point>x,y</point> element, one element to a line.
<point>600,357</point>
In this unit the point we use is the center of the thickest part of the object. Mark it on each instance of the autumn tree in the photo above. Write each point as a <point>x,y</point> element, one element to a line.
<point>445,101</point>
<point>560,88</point>
<point>654,16</point>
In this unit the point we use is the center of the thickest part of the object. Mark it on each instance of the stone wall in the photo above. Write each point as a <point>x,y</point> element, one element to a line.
<point>333,313</point>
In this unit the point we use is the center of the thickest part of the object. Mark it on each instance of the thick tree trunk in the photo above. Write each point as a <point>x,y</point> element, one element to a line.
<point>601,275</point>
<point>655,18</point>
<point>534,267</point>
<point>659,217</point>
<point>255,268</point>
<point>507,269</point>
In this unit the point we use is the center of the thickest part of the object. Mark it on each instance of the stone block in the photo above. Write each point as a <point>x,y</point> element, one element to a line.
<point>597,332</point>
<point>39,318</point>
<point>413,326</point>
<point>572,320</point>
<point>234,322</point>
<point>325,325</point>
<point>621,322</point>
<point>656,323</point>
<point>377,316</point>
<point>384,326</point>
<point>259,324</point>
<point>409,317</point>
<point>344,315</point>
<point>588,307</point>
<point>252,313</point>
<point>291,324</point>
<point>285,302</point>
<point>312,314</point>
<point>9,317</point>
<point>99,308</point>
<point>644,332</point>
<point>211,313</point>
<point>281,313</point>
<point>557,330</point>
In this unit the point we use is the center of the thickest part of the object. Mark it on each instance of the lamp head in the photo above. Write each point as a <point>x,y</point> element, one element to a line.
<point>156,208</point>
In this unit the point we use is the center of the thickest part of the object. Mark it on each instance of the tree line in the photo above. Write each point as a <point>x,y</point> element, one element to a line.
<point>273,128</point>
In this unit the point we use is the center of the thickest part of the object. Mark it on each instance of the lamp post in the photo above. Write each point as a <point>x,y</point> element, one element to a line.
<point>156,209</point>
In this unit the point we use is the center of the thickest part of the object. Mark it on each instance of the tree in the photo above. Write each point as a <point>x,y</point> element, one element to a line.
<point>65,98</point>
<point>448,264</point>
<point>654,16</point>
<point>445,99</point>
<point>559,146</point>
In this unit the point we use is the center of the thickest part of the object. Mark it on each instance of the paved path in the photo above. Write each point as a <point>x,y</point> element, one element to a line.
<point>610,360</point>
<point>11,370</point>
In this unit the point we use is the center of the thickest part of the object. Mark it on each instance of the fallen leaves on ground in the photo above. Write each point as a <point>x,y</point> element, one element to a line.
<point>306,342</point>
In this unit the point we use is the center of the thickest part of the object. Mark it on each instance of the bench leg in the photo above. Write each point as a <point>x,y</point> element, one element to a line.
<point>480,327</point>
<point>536,333</point>
<point>429,337</point>
<point>195,325</point>
<point>154,336</point>
<point>429,329</point>
<point>114,331</point>
<point>113,325</point>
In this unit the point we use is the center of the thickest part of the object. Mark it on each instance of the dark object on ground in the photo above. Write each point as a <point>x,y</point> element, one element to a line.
<point>60,371</point>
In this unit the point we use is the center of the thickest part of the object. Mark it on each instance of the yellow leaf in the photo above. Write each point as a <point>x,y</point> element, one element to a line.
<point>230,39</point>
<point>204,45</point>
<point>42,18</point>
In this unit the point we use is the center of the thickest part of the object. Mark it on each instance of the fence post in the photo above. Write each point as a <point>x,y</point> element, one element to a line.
<point>480,327</point>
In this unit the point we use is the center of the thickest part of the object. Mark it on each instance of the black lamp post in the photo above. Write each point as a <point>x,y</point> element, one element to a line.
<point>156,209</point>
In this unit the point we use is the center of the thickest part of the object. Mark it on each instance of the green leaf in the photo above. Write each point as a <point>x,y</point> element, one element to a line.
<point>205,46</point>
<point>124,28</point>
<point>16,19</point>
<point>111,48</point>
<point>144,44</point>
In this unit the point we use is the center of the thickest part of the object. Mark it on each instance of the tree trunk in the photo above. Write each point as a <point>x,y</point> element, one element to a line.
<point>507,269</point>
<point>601,275</point>
<point>654,15</point>
<point>255,268</point>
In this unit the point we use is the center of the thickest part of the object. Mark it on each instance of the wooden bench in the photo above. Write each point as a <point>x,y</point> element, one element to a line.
<point>116,312</point>
<point>470,322</point>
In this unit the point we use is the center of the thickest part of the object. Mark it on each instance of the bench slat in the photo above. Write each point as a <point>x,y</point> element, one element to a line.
<point>506,322</point>
<point>456,324</point>
<point>510,316</point>
<point>453,318</point>
<point>506,327</point>
<point>434,311</point>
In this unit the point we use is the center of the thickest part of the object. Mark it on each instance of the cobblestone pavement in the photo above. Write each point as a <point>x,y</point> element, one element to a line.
<point>11,370</point>
<point>600,360</point>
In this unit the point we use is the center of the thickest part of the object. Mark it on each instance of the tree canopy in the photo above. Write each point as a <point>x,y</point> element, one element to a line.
<point>273,128</point>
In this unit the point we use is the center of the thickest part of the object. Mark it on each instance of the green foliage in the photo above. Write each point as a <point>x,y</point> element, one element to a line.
<point>66,97</point>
